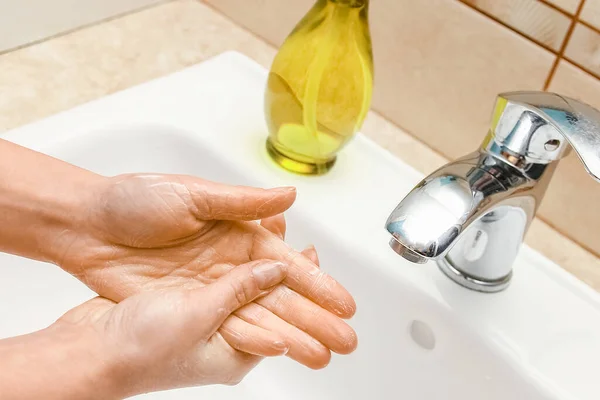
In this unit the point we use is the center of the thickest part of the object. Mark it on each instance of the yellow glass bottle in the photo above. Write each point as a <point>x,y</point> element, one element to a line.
<point>320,85</point>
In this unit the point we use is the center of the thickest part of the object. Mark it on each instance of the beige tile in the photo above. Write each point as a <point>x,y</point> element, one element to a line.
<point>270,19</point>
<point>572,81</point>
<point>584,48</point>
<point>72,69</point>
<point>401,144</point>
<point>565,252</point>
<point>569,6</point>
<point>532,18</point>
<point>571,204</point>
<point>439,79</point>
<point>591,13</point>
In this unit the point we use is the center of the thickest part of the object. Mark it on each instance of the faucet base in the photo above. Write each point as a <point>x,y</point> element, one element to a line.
<point>473,283</point>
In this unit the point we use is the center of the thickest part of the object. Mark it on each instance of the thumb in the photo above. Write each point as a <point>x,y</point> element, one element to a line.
<point>226,202</point>
<point>237,288</point>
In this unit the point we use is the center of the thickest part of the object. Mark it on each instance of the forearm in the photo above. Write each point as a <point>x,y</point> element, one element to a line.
<point>55,363</point>
<point>42,202</point>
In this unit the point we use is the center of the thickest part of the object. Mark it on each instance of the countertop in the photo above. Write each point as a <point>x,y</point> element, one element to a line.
<point>59,73</point>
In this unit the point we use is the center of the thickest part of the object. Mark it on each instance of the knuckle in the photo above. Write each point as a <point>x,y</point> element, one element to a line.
<point>242,290</point>
<point>320,283</point>
<point>281,296</point>
<point>204,205</point>
<point>253,313</point>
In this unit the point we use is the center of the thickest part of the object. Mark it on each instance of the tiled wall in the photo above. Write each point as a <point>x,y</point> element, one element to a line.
<point>440,63</point>
<point>568,28</point>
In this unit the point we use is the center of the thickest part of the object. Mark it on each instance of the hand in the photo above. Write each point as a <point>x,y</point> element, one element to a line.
<point>151,341</point>
<point>152,232</point>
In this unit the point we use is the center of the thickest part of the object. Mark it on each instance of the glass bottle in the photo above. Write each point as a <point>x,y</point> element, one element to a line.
<point>319,86</point>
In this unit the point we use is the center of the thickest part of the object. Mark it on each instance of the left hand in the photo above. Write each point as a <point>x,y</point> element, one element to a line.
<point>151,232</point>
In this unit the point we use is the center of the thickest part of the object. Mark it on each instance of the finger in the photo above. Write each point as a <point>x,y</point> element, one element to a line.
<point>275,224</point>
<point>311,253</point>
<point>226,202</point>
<point>302,313</point>
<point>302,347</point>
<point>252,339</point>
<point>235,289</point>
<point>303,275</point>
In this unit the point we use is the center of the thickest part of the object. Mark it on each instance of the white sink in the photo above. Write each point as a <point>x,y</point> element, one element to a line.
<point>420,335</point>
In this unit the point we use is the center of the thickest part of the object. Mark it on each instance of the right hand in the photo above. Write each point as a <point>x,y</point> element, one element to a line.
<point>170,338</point>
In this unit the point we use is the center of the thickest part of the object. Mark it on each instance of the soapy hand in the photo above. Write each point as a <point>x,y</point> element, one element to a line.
<point>155,232</point>
<point>171,338</point>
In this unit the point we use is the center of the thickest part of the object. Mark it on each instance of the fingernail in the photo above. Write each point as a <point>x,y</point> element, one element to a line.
<point>268,274</point>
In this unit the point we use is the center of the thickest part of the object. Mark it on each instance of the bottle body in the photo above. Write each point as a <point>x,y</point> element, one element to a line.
<point>320,85</point>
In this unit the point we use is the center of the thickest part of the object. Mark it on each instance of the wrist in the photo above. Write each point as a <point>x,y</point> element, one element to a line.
<point>66,233</point>
<point>60,362</point>
<point>42,202</point>
<point>103,373</point>
<point>94,372</point>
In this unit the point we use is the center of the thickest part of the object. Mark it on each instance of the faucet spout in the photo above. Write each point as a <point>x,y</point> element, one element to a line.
<point>470,216</point>
<point>406,253</point>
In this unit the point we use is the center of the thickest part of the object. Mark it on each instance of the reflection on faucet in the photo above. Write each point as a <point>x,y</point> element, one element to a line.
<point>471,215</point>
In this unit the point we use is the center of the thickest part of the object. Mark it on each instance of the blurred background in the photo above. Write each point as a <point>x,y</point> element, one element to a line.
<point>438,65</point>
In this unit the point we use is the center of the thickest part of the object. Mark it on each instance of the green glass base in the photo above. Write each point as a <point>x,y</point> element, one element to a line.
<point>296,166</point>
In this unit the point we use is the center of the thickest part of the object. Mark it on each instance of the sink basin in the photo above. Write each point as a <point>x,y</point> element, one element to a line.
<point>420,335</point>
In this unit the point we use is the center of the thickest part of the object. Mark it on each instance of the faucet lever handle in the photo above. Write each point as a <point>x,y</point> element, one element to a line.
<point>539,126</point>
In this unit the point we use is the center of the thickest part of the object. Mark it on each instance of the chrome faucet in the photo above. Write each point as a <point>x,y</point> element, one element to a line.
<point>472,214</point>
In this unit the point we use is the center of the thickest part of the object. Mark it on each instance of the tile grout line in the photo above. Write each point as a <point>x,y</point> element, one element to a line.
<point>571,16</point>
<point>589,26</point>
<point>504,24</point>
<point>560,53</point>
<point>557,8</point>
<point>564,45</point>
<point>581,67</point>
